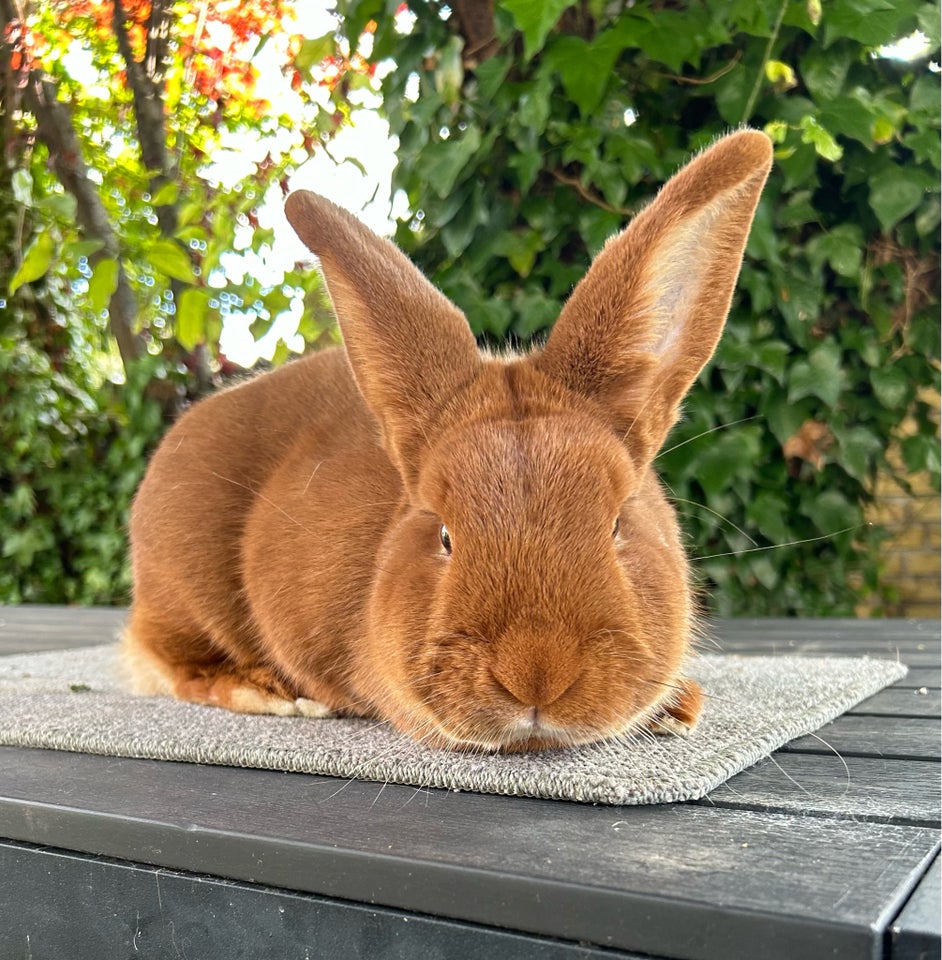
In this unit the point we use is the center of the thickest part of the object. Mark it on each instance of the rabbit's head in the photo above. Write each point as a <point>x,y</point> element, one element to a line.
<point>531,590</point>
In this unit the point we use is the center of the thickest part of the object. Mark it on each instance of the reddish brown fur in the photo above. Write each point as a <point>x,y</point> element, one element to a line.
<point>286,539</point>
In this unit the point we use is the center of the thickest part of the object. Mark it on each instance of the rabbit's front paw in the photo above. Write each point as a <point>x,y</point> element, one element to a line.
<point>678,716</point>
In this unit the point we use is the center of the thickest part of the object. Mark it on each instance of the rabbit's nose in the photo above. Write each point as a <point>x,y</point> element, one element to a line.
<point>534,685</point>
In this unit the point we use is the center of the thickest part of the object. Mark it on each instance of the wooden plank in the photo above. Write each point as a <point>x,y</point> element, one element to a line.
<point>57,904</point>
<point>864,788</point>
<point>817,629</point>
<point>681,880</point>
<point>794,643</point>
<point>33,628</point>
<point>917,930</point>
<point>901,738</point>
<point>928,677</point>
<point>896,702</point>
<point>923,658</point>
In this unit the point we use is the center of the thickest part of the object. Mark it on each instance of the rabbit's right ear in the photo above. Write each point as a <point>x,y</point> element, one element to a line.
<point>647,316</point>
<point>409,346</point>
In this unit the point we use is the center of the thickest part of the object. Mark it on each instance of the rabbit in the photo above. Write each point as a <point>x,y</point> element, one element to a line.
<point>474,548</point>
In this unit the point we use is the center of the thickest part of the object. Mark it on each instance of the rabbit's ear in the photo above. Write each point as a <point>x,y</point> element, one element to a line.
<point>409,346</point>
<point>647,316</point>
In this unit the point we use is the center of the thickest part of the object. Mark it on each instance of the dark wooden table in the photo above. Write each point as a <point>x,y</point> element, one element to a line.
<point>827,849</point>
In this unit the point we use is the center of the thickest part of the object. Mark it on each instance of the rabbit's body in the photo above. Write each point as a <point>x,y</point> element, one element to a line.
<point>475,549</point>
<point>208,510</point>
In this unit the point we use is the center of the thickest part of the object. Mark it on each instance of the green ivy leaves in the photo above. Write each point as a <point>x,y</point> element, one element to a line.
<point>830,335</point>
<point>536,18</point>
<point>36,261</point>
<point>171,260</point>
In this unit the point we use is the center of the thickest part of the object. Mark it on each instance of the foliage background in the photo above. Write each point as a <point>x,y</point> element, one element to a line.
<point>518,162</point>
<point>528,132</point>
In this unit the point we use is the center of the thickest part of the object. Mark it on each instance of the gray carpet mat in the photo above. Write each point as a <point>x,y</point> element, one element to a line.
<point>73,700</point>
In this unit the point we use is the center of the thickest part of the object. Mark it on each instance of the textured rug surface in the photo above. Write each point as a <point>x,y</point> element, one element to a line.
<point>73,700</point>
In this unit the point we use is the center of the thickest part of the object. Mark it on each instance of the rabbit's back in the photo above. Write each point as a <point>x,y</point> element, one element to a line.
<point>190,514</point>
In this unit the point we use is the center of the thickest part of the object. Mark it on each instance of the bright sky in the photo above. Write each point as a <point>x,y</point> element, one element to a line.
<point>367,195</point>
<point>366,140</point>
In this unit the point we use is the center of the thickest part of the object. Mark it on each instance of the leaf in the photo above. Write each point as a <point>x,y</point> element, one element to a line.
<point>444,161</point>
<point>920,453</point>
<point>190,324</point>
<point>490,75</point>
<point>449,74</point>
<point>870,22</point>
<point>281,353</point>
<point>780,74</point>
<point>22,183</point>
<point>533,108</point>
<point>928,19</point>
<point>535,311</point>
<point>924,96</point>
<point>536,18</point>
<point>810,443</point>
<point>819,376</point>
<point>730,455</point>
<point>894,194</point>
<point>166,194</point>
<point>103,282</point>
<point>470,213</point>
<point>671,37</point>
<point>35,263</point>
<point>824,72</point>
<point>171,260</point>
<point>314,51</point>
<point>858,448</point>
<point>528,166</point>
<point>61,205</point>
<point>891,386</point>
<point>851,115</point>
<point>768,512</point>
<point>570,55</point>
<point>824,144</point>
<point>883,130</point>
<point>831,512</point>
<point>520,249</point>
<point>841,247</point>
<point>260,326</point>
<point>81,248</point>
<point>776,130</point>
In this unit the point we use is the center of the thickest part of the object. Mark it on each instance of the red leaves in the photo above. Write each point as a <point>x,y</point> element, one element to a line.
<point>218,48</point>
<point>810,443</point>
<point>23,43</point>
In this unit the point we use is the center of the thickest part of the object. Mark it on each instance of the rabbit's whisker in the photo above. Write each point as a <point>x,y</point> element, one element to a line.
<point>779,546</point>
<point>261,496</point>
<point>722,426</point>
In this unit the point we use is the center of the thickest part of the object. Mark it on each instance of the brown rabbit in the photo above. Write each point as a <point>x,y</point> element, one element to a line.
<point>473,548</point>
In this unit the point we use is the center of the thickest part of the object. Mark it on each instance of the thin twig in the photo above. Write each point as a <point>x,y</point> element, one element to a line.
<point>757,86</point>
<point>703,81</point>
<point>587,194</point>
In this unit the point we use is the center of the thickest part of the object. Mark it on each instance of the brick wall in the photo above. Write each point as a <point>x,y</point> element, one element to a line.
<point>911,555</point>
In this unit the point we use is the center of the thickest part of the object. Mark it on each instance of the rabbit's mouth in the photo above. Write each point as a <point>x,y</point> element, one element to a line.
<point>529,732</point>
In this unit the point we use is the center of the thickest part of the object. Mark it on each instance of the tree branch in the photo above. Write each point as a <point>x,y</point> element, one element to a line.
<point>55,129</point>
<point>54,125</point>
<point>146,82</point>
<point>149,106</point>
<point>476,25</point>
<point>588,195</point>
<point>158,36</point>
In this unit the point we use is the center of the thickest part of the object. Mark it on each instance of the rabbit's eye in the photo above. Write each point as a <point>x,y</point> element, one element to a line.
<point>446,539</point>
<point>615,528</point>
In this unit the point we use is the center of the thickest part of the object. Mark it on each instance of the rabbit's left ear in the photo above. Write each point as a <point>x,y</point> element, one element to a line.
<point>409,346</point>
<point>647,316</point>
